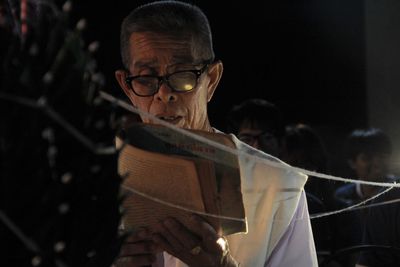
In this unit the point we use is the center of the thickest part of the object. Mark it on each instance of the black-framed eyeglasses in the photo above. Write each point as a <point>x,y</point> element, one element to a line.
<point>179,81</point>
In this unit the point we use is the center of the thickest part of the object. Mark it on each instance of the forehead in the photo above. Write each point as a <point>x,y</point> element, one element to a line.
<point>151,49</point>
<point>252,124</point>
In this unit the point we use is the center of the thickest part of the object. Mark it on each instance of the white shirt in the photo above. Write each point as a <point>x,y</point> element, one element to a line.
<point>279,229</point>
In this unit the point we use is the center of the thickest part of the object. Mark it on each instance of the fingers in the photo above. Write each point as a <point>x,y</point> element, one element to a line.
<point>137,243</point>
<point>138,250</point>
<point>198,246</point>
<point>132,249</point>
<point>167,239</point>
<point>174,235</point>
<point>140,235</point>
<point>211,240</point>
<point>208,233</point>
<point>187,238</point>
<point>138,260</point>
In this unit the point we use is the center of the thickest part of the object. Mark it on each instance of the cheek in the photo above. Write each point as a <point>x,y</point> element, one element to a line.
<point>364,169</point>
<point>197,102</point>
<point>141,103</point>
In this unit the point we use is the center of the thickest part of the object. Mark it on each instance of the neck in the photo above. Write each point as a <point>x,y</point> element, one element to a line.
<point>205,126</point>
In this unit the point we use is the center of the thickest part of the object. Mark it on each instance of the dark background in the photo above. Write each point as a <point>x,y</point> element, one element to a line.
<point>315,59</point>
<point>306,56</point>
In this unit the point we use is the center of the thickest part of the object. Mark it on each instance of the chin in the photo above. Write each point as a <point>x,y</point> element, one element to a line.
<point>183,125</point>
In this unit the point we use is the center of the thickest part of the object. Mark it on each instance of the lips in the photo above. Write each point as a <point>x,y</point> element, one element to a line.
<point>170,119</point>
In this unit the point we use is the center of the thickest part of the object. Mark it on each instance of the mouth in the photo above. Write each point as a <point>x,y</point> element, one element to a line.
<point>170,119</point>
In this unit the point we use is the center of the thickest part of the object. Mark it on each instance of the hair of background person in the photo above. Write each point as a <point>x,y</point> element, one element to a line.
<point>371,141</point>
<point>256,112</point>
<point>305,148</point>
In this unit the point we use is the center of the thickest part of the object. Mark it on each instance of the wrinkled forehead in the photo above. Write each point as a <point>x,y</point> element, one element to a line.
<point>155,50</point>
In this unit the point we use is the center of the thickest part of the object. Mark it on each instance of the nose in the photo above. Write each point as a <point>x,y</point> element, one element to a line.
<point>165,93</point>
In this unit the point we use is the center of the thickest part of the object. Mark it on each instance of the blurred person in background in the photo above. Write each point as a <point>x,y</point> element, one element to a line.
<point>258,123</point>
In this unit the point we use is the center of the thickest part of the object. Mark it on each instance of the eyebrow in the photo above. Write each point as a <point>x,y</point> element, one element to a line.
<point>147,63</point>
<point>182,59</point>
<point>153,63</point>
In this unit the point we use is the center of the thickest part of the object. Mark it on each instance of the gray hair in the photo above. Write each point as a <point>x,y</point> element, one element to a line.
<point>170,18</point>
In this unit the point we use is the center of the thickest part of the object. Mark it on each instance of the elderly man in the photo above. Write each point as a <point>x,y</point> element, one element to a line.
<point>171,73</point>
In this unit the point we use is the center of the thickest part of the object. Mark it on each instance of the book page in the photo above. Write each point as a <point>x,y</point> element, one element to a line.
<point>228,199</point>
<point>170,179</point>
<point>229,184</point>
<point>209,190</point>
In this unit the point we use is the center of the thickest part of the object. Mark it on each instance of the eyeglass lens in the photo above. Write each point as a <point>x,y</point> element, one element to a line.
<point>180,81</point>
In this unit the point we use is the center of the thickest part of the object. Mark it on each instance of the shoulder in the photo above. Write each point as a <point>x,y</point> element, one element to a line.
<point>345,189</point>
<point>346,194</point>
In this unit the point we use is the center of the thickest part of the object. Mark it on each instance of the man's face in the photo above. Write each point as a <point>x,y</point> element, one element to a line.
<point>371,167</point>
<point>159,55</point>
<point>259,139</point>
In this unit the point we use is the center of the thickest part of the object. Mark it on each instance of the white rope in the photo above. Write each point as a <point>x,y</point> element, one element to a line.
<point>169,204</point>
<point>29,244</point>
<point>353,207</point>
<point>280,165</point>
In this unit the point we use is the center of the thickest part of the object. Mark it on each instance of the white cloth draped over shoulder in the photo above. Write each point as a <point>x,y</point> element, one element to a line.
<point>279,230</point>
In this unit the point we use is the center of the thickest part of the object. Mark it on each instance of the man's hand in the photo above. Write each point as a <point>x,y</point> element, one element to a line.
<point>200,246</point>
<point>138,250</point>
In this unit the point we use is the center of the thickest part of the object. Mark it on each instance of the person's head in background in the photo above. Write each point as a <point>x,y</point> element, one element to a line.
<point>368,154</point>
<point>258,123</point>
<point>170,72</point>
<point>304,148</point>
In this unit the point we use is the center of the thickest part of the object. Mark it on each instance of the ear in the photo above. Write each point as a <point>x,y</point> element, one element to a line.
<point>120,75</point>
<point>215,73</point>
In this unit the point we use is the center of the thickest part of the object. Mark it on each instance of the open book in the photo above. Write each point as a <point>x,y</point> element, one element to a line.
<point>168,174</point>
